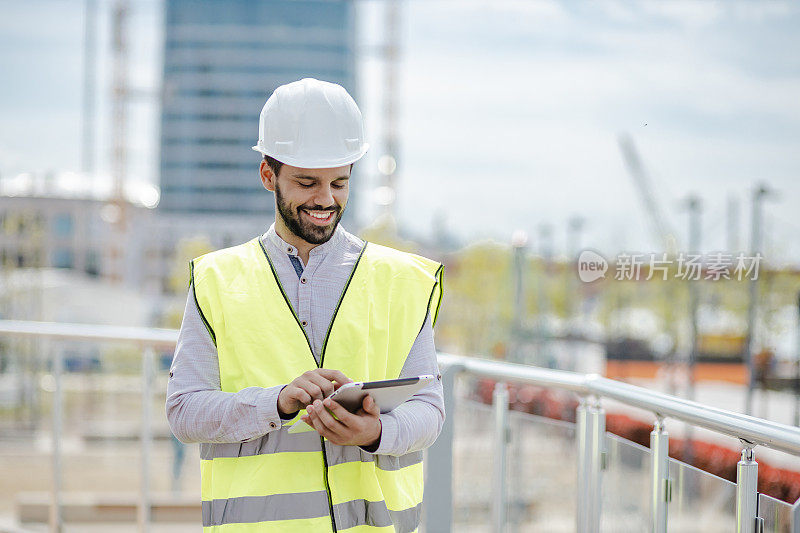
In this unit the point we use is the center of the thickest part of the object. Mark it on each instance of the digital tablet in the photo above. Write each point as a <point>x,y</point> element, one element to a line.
<point>387,393</point>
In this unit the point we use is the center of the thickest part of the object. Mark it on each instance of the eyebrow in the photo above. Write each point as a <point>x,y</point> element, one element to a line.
<point>314,178</point>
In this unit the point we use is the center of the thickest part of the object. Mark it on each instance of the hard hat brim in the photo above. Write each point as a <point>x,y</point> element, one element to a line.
<point>318,163</point>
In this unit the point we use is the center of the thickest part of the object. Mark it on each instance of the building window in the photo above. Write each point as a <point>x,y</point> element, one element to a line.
<point>62,225</point>
<point>92,263</point>
<point>63,258</point>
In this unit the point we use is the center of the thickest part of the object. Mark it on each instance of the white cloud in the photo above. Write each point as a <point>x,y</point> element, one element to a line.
<point>511,139</point>
<point>510,109</point>
<point>686,12</point>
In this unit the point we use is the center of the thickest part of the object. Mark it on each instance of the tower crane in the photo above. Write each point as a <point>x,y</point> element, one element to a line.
<point>660,227</point>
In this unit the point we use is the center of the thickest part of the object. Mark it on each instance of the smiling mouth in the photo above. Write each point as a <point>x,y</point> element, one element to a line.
<point>320,218</point>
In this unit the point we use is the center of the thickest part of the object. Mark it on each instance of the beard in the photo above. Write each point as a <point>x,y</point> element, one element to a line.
<point>308,231</point>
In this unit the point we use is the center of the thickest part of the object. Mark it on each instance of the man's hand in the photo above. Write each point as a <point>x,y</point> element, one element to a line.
<point>312,385</point>
<point>360,429</point>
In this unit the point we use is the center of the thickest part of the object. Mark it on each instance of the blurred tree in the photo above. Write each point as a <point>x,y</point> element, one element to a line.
<point>187,249</point>
<point>383,230</point>
<point>478,310</point>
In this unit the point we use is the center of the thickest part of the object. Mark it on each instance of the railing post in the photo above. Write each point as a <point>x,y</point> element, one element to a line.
<point>660,485</point>
<point>747,492</point>
<point>56,516</point>
<point>591,428</point>
<point>598,436</point>
<point>146,439</point>
<point>500,400</point>
<point>582,421</point>
<point>438,497</point>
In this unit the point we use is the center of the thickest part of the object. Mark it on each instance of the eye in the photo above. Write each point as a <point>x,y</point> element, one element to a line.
<point>306,185</point>
<point>338,186</point>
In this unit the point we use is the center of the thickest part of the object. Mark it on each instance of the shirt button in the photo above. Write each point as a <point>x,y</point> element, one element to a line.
<point>303,280</point>
<point>273,425</point>
<point>304,323</point>
<point>289,250</point>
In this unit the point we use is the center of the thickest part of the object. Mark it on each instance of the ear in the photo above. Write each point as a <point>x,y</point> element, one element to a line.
<point>267,176</point>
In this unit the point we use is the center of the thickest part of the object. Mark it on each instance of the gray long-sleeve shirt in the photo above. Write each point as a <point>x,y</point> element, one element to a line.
<point>199,411</point>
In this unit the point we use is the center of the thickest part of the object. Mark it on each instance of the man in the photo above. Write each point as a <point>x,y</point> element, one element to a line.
<point>273,326</point>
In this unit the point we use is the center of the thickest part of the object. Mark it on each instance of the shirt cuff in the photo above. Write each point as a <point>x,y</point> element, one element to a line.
<point>267,409</point>
<point>388,437</point>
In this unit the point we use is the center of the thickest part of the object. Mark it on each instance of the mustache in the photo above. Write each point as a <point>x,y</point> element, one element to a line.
<point>334,209</point>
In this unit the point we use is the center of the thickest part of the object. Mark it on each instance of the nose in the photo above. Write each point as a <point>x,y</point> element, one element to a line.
<point>324,196</point>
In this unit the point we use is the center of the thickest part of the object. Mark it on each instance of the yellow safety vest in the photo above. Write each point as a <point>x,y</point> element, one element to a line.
<point>301,482</point>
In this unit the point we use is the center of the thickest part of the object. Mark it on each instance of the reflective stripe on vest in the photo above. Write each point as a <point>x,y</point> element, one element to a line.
<point>302,482</point>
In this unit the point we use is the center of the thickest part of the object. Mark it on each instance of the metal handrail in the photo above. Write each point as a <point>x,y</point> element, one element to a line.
<point>90,332</point>
<point>148,339</point>
<point>751,429</point>
<point>590,440</point>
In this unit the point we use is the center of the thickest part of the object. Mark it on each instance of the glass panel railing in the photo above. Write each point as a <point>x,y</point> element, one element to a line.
<point>625,486</point>
<point>701,501</point>
<point>777,514</point>
<point>473,454</point>
<point>541,474</point>
<point>101,427</point>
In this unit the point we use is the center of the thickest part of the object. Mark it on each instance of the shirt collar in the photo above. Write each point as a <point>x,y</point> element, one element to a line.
<point>322,249</point>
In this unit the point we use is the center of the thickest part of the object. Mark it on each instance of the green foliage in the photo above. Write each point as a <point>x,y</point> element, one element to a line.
<point>383,230</point>
<point>477,309</point>
<point>187,250</point>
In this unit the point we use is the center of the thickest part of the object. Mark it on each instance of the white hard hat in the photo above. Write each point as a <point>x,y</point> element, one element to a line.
<point>311,124</point>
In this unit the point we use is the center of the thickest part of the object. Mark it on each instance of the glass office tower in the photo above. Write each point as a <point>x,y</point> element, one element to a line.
<point>222,59</point>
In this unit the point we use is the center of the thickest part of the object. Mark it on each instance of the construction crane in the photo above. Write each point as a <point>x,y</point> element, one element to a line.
<point>387,164</point>
<point>117,208</point>
<point>661,230</point>
<point>660,227</point>
<point>89,77</point>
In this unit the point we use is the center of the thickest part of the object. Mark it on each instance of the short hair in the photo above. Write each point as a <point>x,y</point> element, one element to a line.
<point>274,165</point>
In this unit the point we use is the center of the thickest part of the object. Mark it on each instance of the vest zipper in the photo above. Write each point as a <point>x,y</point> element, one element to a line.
<point>339,304</point>
<point>319,364</point>
<point>325,478</point>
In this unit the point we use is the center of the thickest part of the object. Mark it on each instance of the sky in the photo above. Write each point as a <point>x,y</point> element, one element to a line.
<point>509,112</point>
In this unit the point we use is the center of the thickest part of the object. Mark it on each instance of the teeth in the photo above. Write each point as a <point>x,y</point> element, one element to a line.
<point>317,214</point>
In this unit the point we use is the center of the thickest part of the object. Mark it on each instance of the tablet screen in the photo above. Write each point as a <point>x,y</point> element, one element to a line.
<point>388,383</point>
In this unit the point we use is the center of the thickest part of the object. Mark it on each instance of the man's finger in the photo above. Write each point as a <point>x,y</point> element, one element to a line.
<point>327,419</point>
<point>292,398</point>
<point>345,417</point>
<point>324,384</point>
<point>300,395</point>
<point>313,390</point>
<point>318,426</point>
<point>334,375</point>
<point>370,406</point>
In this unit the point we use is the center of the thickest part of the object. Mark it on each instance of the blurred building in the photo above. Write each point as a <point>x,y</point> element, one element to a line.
<point>63,221</point>
<point>222,60</point>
